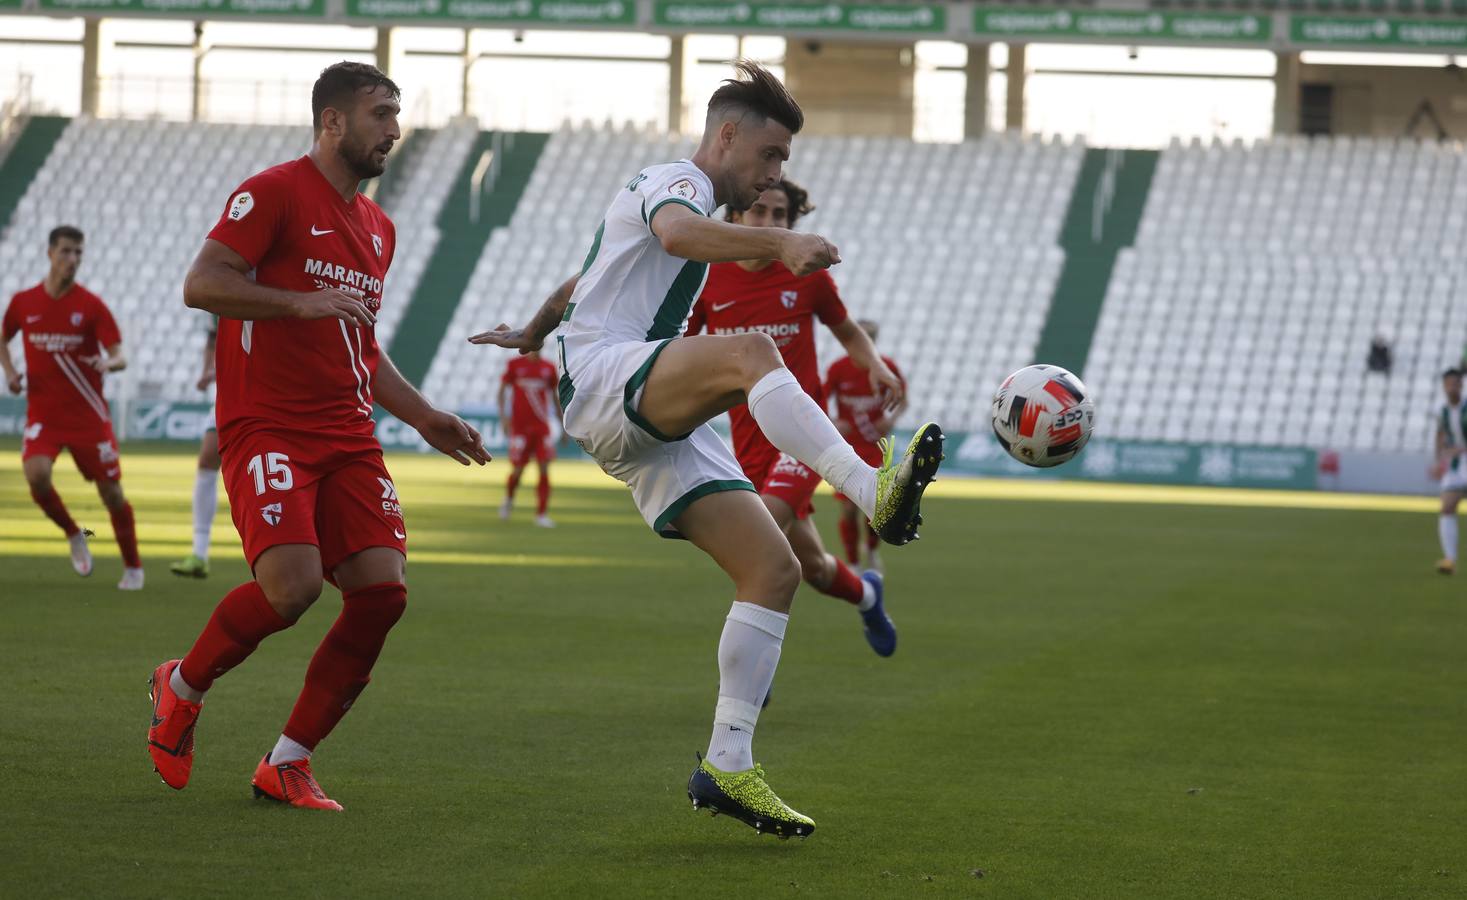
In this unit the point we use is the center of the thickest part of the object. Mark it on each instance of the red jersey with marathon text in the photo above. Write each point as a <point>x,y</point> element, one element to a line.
<point>855,403</point>
<point>532,383</point>
<point>63,390</point>
<point>312,375</point>
<point>785,307</point>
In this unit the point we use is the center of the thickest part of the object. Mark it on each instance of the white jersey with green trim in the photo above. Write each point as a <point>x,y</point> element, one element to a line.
<point>630,288</point>
<point>1452,420</point>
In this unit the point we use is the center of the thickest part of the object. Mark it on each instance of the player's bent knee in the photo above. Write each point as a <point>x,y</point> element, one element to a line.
<point>292,595</point>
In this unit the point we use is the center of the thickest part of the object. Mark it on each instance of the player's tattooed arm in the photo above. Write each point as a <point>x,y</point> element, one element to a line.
<point>444,431</point>
<point>219,282</point>
<point>863,353</point>
<point>532,336</point>
<point>688,235</point>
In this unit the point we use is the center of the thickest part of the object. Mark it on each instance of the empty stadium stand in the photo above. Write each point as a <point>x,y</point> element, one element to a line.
<point>1259,277</point>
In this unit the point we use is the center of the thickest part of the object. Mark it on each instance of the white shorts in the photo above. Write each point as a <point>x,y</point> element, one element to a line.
<point>665,473</point>
<point>1455,479</point>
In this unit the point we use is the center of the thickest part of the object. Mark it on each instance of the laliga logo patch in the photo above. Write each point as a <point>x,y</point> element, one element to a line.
<point>270,512</point>
<point>789,298</point>
<point>684,189</point>
<point>377,243</point>
<point>76,319</point>
<point>241,205</point>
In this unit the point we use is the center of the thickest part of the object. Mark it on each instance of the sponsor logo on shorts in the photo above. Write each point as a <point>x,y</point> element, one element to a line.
<point>113,473</point>
<point>399,535</point>
<point>271,513</point>
<point>106,453</point>
<point>775,484</point>
<point>390,506</point>
<point>33,431</point>
<point>790,466</point>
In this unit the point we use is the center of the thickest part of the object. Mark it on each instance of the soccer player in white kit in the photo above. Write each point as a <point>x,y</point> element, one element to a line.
<point>1450,465</point>
<point>638,398</point>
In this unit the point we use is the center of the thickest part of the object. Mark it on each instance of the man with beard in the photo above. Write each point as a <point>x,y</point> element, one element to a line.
<point>298,369</point>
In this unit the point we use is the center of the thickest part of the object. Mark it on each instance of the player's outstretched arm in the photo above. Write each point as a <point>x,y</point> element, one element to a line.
<point>688,235</point>
<point>219,282</point>
<point>532,336</point>
<point>444,431</point>
<point>863,353</point>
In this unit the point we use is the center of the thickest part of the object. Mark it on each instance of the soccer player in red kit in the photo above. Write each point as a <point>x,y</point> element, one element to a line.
<point>70,341</point>
<point>529,409</point>
<point>298,370</point>
<point>864,419</point>
<point>764,296</point>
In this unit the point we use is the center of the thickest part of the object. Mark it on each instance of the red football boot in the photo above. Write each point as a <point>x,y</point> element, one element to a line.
<point>171,733</point>
<point>291,782</point>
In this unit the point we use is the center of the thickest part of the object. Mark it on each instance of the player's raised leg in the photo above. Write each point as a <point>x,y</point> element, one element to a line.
<point>37,468</point>
<point>735,530</point>
<point>696,378</point>
<point>205,506</point>
<point>287,581</point>
<point>828,575</point>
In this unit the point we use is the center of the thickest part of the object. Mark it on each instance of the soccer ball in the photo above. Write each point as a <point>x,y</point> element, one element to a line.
<point>1042,415</point>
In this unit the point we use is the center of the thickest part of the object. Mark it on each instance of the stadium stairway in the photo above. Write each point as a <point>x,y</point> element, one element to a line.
<point>1103,217</point>
<point>25,159</point>
<point>461,243</point>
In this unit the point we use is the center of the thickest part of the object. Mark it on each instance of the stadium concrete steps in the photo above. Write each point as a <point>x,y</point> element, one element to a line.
<point>1103,217</point>
<point>25,159</point>
<point>453,261</point>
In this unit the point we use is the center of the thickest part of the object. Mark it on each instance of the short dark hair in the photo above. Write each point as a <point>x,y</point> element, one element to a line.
<point>759,93</point>
<point>65,232</point>
<point>799,201</point>
<point>340,82</point>
<point>1452,373</point>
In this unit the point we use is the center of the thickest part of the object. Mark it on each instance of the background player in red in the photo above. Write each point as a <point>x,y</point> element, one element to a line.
<point>70,341</point>
<point>298,370</point>
<point>864,418</point>
<point>529,410</point>
<point>765,296</point>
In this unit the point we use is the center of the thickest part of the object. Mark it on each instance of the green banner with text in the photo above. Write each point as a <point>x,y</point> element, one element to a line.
<point>201,8</point>
<point>1377,33</point>
<point>1039,22</point>
<point>801,17</point>
<point>517,12</point>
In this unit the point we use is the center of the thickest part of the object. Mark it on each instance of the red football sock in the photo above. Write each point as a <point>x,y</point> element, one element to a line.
<point>241,620</point>
<point>343,663</point>
<point>513,484</point>
<point>848,539</point>
<point>125,528</point>
<point>846,584</point>
<point>872,539</point>
<point>50,504</point>
<point>542,493</point>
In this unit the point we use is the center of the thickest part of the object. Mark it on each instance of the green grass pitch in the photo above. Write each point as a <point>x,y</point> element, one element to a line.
<point>1089,700</point>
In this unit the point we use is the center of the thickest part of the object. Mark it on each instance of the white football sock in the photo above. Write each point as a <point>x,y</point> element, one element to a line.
<point>748,654</point>
<point>868,596</point>
<point>797,425</point>
<point>206,504</point>
<point>182,688</point>
<point>1446,529</point>
<point>287,750</point>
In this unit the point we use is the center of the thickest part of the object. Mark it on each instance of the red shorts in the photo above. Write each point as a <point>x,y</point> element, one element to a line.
<point>781,475</point>
<point>95,452</point>
<point>527,445</point>
<point>283,490</point>
<point>869,453</point>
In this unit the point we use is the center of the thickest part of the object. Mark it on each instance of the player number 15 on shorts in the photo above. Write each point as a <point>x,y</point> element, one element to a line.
<point>275,465</point>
